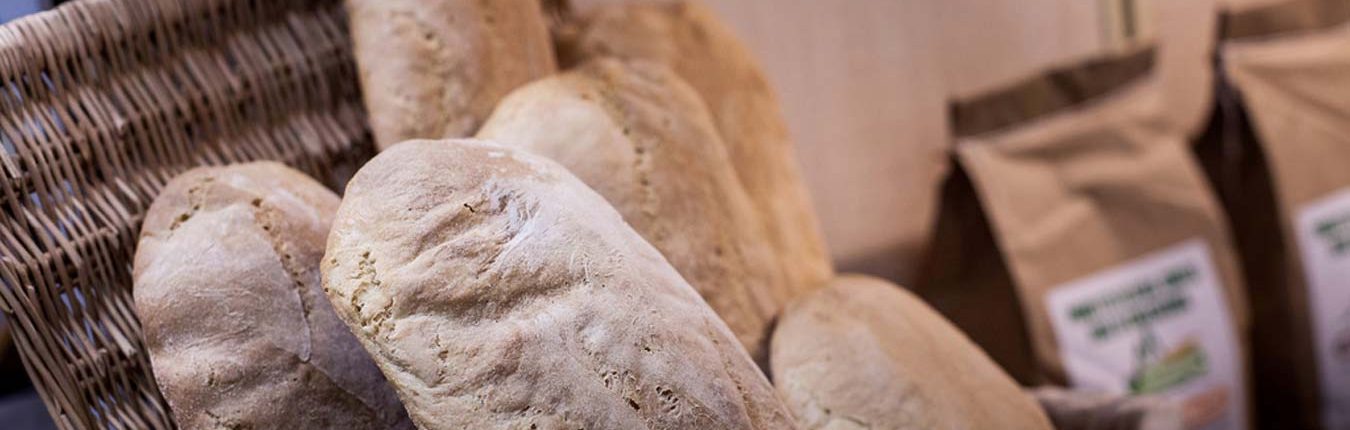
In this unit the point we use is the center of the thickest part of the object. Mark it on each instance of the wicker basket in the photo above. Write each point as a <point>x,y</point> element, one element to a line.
<point>101,102</point>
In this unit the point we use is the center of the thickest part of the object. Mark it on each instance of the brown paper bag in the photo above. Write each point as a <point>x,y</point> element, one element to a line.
<point>1277,152</point>
<point>1079,243</point>
<point>1079,410</point>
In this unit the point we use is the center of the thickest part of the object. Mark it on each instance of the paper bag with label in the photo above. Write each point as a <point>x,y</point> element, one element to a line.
<point>1278,152</point>
<point>1079,243</point>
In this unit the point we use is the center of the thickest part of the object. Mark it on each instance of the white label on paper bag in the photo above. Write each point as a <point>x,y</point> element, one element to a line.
<point>1159,325</point>
<point>1324,239</point>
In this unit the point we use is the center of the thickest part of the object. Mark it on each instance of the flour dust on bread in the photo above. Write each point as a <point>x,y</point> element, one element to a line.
<point>689,38</point>
<point>434,69</point>
<point>865,353</point>
<point>639,136</point>
<point>238,330</point>
<point>496,290</point>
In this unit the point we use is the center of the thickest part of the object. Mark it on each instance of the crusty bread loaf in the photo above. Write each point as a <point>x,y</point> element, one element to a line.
<point>638,135</point>
<point>688,37</point>
<point>239,333</point>
<point>495,290</point>
<point>435,69</point>
<point>865,353</point>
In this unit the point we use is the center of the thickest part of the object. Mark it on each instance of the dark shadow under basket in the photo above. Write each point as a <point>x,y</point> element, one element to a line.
<point>103,101</point>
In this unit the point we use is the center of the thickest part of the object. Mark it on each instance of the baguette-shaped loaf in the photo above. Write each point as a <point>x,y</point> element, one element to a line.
<point>496,290</point>
<point>638,135</point>
<point>865,353</point>
<point>434,69</point>
<point>689,38</point>
<point>239,332</point>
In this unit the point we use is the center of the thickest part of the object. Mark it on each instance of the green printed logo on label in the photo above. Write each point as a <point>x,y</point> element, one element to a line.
<point>1136,305</point>
<point>1157,370</point>
<point>1335,233</point>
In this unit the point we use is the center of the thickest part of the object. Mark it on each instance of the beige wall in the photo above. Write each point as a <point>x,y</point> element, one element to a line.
<point>986,43</point>
<point>864,85</point>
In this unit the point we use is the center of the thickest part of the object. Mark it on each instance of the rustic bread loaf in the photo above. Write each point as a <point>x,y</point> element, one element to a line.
<point>865,353</point>
<point>433,69</point>
<point>227,289</point>
<point>640,137</point>
<point>688,37</point>
<point>495,290</point>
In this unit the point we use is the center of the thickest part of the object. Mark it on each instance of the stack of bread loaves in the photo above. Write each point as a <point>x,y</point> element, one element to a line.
<point>624,244</point>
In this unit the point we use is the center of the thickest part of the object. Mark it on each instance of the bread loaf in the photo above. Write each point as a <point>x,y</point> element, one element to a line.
<point>864,353</point>
<point>495,290</point>
<point>433,69</point>
<point>227,289</point>
<point>688,37</point>
<point>638,135</point>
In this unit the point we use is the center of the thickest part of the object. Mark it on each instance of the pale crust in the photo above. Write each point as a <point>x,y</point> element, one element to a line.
<point>435,69</point>
<point>639,136</point>
<point>865,353</point>
<point>688,37</point>
<point>495,290</point>
<point>239,333</point>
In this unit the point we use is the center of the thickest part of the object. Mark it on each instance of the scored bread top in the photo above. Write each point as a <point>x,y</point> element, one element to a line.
<point>227,290</point>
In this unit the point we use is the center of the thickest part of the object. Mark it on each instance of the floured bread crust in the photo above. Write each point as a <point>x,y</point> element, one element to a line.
<point>495,290</point>
<point>865,353</point>
<point>434,69</point>
<point>689,38</point>
<point>639,136</point>
<point>239,333</point>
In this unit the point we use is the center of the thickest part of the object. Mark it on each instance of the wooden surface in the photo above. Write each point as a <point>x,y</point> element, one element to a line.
<point>864,85</point>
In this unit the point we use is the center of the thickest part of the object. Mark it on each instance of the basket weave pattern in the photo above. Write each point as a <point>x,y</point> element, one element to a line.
<point>102,102</point>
